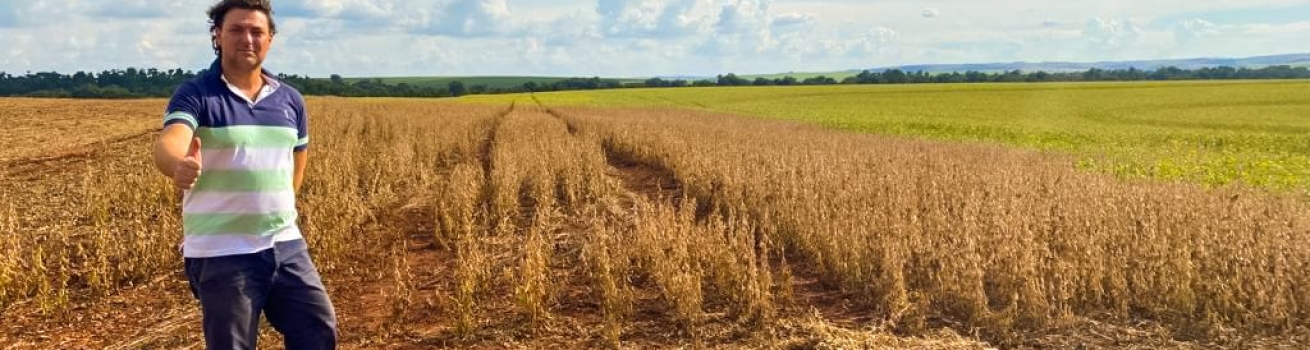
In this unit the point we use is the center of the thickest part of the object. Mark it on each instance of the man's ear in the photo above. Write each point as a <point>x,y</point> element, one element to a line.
<point>213,41</point>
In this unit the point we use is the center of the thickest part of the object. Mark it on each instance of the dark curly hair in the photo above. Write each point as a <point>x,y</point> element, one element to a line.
<point>220,10</point>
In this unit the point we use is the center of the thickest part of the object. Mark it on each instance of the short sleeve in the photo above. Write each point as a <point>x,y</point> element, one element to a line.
<point>184,107</point>
<point>302,124</point>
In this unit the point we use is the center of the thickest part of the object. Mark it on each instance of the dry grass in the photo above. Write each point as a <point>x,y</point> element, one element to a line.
<point>105,220</point>
<point>82,207</point>
<point>44,128</point>
<point>814,332</point>
<point>984,238</point>
<point>666,228</point>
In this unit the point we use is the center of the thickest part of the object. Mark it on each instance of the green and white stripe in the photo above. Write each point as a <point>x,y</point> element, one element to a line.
<point>220,245</point>
<point>244,198</point>
<point>190,119</point>
<point>247,136</point>
<point>248,158</point>
<point>262,224</point>
<point>240,202</point>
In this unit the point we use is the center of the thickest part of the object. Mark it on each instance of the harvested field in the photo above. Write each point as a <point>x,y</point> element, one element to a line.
<point>523,224</point>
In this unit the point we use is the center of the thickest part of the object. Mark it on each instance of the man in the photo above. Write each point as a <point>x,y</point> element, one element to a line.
<point>234,140</point>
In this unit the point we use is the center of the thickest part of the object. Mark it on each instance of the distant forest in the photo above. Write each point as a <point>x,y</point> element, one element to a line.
<point>141,83</point>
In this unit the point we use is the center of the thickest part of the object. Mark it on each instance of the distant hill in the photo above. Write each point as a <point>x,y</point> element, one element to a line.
<point>839,75</point>
<point>1302,59</point>
<point>504,82</point>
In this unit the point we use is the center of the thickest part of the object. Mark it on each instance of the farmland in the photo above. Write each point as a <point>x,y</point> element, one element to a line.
<point>718,218</point>
<point>1212,133</point>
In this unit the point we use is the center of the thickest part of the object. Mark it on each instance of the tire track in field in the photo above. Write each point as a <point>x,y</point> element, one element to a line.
<point>407,301</point>
<point>57,161</point>
<point>653,181</point>
<point>488,144</point>
<point>635,183</point>
<point>573,128</point>
<point>656,183</point>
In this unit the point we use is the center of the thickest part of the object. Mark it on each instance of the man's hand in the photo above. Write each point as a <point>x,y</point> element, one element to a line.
<point>188,170</point>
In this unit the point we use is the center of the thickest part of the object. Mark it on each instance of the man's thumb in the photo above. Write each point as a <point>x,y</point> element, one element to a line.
<point>194,150</point>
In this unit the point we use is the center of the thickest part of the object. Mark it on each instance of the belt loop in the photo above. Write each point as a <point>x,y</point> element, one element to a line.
<point>270,254</point>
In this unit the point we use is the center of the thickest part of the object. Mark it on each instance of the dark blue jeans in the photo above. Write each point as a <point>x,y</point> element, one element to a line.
<point>280,282</point>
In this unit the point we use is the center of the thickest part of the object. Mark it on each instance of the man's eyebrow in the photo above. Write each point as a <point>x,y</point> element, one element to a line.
<point>243,26</point>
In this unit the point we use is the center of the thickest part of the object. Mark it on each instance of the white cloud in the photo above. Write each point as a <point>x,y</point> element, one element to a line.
<point>1247,39</point>
<point>139,8</point>
<point>653,18</point>
<point>1111,34</point>
<point>789,20</point>
<point>1188,31</point>
<point>101,46</point>
<point>635,37</point>
<point>347,9</point>
<point>868,43</point>
<point>750,27</point>
<point>570,29</point>
<point>29,14</point>
<point>13,52</point>
<point>469,18</point>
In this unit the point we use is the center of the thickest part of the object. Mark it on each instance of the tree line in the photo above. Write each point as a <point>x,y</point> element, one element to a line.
<point>142,83</point>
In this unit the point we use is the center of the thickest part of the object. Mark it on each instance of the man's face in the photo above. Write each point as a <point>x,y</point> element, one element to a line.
<point>244,38</point>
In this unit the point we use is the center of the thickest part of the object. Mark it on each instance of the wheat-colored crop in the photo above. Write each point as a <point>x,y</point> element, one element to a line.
<point>998,239</point>
<point>695,222</point>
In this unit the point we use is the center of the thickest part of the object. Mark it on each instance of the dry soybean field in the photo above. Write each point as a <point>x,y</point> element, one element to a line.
<point>789,218</point>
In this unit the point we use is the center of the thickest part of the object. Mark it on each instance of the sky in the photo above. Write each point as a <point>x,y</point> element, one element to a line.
<point>642,38</point>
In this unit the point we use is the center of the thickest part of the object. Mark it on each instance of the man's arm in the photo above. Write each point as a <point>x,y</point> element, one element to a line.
<point>171,147</point>
<point>301,157</point>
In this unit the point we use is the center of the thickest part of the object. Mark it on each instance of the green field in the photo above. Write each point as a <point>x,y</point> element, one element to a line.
<point>469,81</point>
<point>1213,133</point>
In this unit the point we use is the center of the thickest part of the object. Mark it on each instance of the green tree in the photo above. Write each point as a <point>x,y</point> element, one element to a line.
<point>456,89</point>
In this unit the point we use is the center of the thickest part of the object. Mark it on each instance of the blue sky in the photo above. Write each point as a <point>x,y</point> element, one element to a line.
<point>636,38</point>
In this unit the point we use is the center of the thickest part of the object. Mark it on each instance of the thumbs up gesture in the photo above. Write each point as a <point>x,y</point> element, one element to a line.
<point>188,170</point>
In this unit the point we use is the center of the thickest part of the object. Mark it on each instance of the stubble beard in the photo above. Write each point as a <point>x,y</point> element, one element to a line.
<point>243,60</point>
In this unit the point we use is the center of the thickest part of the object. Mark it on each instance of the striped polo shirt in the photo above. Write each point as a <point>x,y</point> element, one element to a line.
<point>244,200</point>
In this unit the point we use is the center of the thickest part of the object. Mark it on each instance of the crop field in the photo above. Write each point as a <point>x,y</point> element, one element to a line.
<point>1212,133</point>
<point>708,218</point>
